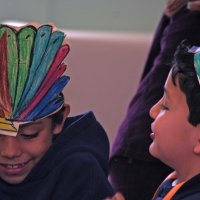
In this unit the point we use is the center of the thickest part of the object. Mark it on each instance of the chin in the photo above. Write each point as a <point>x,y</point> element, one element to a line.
<point>13,180</point>
<point>152,150</point>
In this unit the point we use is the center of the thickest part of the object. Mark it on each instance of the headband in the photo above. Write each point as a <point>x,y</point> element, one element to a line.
<point>196,51</point>
<point>31,74</point>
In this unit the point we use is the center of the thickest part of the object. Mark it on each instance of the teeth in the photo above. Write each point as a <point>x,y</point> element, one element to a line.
<point>15,166</point>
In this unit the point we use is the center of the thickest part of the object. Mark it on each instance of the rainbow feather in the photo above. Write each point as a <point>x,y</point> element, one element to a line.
<point>31,62</point>
<point>12,52</point>
<point>55,42</point>
<point>196,51</point>
<point>197,63</point>
<point>5,99</point>
<point>49,99</point>
<point>25,39</point>
<point>40,46</point>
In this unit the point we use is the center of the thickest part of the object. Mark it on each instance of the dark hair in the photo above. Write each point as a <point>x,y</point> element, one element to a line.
<point>57,117</point>
<point>183,68</point>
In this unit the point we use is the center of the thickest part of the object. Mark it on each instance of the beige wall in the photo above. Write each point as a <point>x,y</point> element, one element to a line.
<point>105,69</point>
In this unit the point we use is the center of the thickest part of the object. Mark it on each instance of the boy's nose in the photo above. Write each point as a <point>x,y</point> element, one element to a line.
<point>154,110</point>
<point>10,147</point>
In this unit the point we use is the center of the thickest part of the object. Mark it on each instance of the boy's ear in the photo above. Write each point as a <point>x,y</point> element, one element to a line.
<point>197,147</point>
<point>58,127</point>
<point>197,141</point>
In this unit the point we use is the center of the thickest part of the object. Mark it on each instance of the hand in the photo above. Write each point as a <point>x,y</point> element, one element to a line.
<point>117,196</point>
<point>194,5</point>
<point>173,6</point>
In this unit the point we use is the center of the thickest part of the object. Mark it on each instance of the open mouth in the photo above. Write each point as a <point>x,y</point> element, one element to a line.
<point>13,166</point>
<point>12,169</point>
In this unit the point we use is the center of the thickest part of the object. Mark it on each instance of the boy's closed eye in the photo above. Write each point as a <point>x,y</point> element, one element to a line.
<point>29,136</point>
<point>164,107</point>
<point>164,103</point>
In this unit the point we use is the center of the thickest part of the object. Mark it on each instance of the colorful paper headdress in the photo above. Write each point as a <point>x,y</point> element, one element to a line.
<point>196,51</point>
<point>31,74</point>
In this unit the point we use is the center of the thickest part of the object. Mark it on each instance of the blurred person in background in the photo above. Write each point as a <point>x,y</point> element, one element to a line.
<point>133,171</point>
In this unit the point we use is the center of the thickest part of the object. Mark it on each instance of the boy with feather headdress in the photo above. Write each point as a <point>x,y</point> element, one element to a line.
<point>44,154</point>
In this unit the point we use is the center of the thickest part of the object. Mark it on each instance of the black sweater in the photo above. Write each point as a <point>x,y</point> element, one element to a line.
<point>75,166</point>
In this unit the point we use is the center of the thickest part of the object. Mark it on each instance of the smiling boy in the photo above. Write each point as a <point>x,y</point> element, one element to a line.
<point>18,155</point>
<point>176,130</point>
<point>44,154</point>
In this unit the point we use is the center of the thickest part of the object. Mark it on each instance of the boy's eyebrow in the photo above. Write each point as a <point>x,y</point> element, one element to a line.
<point>167,93</point>
<point>165,90</point>
<point>29,124</point>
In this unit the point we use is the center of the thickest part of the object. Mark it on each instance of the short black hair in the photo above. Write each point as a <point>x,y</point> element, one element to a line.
<point>57,117</point>
<point>183,68</point>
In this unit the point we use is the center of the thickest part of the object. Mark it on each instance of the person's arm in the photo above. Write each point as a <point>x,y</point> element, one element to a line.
<point>173,6</point>
<point>117,196</point>
<point>194,5</point>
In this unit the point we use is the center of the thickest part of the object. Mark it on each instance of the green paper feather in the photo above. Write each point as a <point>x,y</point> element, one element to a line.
<point>25,40</point>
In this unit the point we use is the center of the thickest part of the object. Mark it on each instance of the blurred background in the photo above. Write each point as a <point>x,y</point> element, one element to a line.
<point>109,42</point>
<point>98,15</point>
